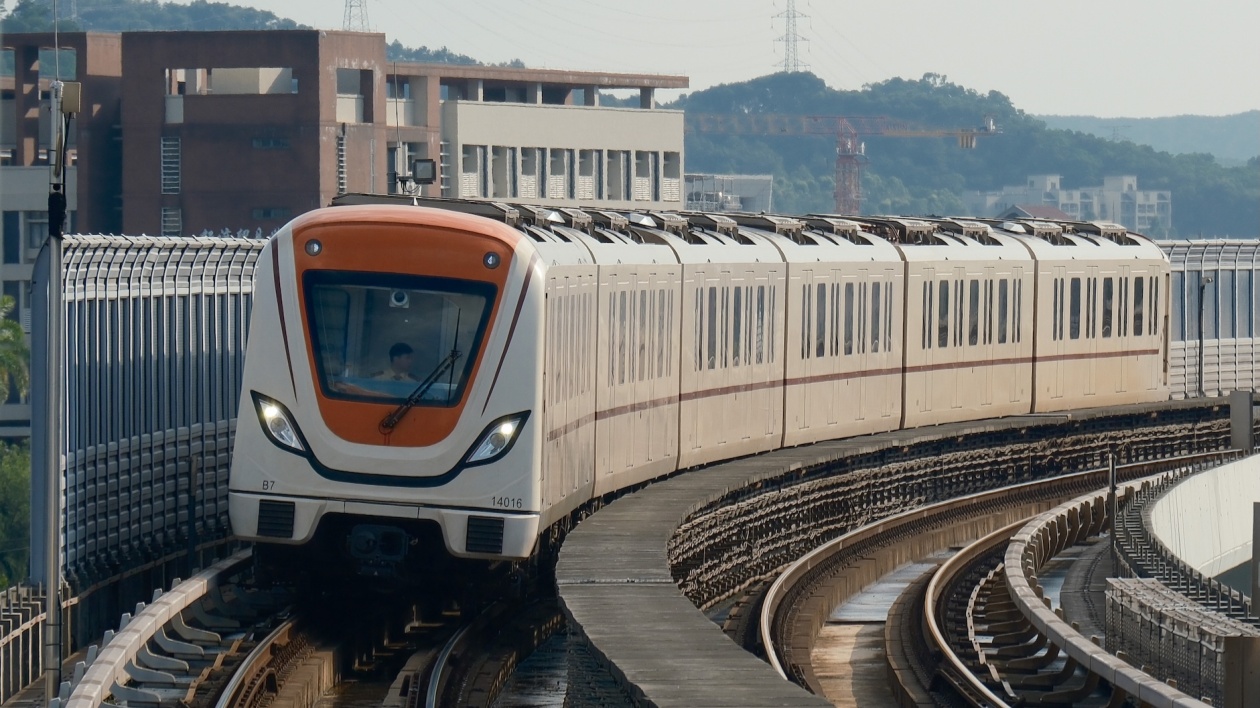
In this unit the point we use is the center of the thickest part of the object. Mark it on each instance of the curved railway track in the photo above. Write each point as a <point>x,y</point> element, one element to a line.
<point>977,641</point>
<point>215,641</point>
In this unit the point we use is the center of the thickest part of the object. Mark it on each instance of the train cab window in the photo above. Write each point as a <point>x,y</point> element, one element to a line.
<point>1003,289</point>
<point>381,338</point>
<point>1108,305</point>
<point>1139,305</point>
<point>942,319</point>
<point>1074,309</point>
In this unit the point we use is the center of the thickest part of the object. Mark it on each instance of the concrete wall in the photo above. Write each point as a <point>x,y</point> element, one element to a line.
<point>1206,520</point>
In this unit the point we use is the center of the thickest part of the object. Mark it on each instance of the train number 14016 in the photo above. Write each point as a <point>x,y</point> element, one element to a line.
<point>508,502</point>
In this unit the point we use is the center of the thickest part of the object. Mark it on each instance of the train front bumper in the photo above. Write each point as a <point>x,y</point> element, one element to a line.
<point>468,533</point>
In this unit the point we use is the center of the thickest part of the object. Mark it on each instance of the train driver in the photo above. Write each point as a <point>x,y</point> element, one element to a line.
<point>400,356</point>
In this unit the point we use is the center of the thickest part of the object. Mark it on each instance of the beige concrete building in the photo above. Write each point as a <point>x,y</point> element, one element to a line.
<point>1118,200</point>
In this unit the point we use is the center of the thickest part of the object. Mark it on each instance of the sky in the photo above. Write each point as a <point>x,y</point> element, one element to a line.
<point>1109,58</point>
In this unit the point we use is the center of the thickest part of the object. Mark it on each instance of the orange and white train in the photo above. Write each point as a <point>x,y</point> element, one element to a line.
<point>431,379</point>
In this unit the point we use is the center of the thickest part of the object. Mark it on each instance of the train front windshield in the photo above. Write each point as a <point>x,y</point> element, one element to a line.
<point>380,338</point>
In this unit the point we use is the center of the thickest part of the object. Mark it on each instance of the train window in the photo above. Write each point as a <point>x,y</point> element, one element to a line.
<point>1155,305</point>
<point>737,329</point>
<point>875,322</point>
<point>835,315</point>
<point>859,315</point>
<point>713,315</point>
<point>772,315</point>
<point>1017,291</point>
<point>958,313</point>
<point>1057,324</point>
<point>1003,288</point>
<point>643,331</point>
<point>612,337</point>
<point>942,320</point>
<point>888,306</point>
<point>1139,305</point>
<point>699,333</point>
<point>927,315</point>
<point>820,332</point>
<point>761,322</point>
<point>669,332</point>
<point>1108,306</point>
<point>973,312</point>
<point>1124,307</point>
<point>1091,286</point>
<point>621,339</point>
<point>987,311</point>
<point>726,325</point>
<point>659,300</point>
<point>848,318</point>
<point>1074,309</point>
<point>805,308</point>
<point>378,337</point>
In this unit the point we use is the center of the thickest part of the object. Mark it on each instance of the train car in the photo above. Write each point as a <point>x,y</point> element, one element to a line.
<point>1101,291</point>
<point>429,380</point>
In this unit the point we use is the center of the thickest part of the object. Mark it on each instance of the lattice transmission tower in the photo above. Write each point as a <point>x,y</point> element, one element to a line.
<point>791,39</point>
<point>356,17</point>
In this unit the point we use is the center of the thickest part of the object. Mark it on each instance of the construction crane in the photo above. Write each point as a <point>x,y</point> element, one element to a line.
<point>848,131</point>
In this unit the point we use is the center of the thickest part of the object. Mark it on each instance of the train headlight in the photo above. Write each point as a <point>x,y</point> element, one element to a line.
<point>278,423</point>
<point>497,439</point>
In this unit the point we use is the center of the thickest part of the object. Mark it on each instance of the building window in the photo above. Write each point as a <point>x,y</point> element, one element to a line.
<point>170,164</point>
<point>36,228</point>
<point>270,143</point>
<point>172,221</point>
<point>272,213</point>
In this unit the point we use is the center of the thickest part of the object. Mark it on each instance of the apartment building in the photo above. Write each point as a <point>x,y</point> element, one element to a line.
<point>1118,199</point>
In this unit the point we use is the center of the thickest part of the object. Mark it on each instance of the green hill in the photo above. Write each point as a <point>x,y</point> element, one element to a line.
<point>1232,140</point>
<point>929,176</point>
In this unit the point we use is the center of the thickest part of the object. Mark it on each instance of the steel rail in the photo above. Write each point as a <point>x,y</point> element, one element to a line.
<point>942,578</point>
<point>252,667</point>
<point>439,667</point>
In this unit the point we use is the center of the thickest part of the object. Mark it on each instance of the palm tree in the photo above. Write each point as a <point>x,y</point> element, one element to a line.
<point>15,356</point>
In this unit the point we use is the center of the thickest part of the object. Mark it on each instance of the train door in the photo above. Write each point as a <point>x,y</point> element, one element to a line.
<point>1122,364</point>
<point>761,326</point>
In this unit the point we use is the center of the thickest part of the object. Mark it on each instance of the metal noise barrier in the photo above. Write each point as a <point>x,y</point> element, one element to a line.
<point>154,346</point>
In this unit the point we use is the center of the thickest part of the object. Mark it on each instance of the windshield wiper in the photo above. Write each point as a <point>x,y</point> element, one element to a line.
<point>393,419</point>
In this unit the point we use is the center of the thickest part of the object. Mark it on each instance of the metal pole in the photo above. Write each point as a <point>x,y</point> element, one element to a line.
<point>1202,288</point>
<point>53,408</point>
<point>1115,502</point>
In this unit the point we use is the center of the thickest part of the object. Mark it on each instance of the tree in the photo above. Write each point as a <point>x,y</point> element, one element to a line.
<point>15,512</point>
<point>15,356</point>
